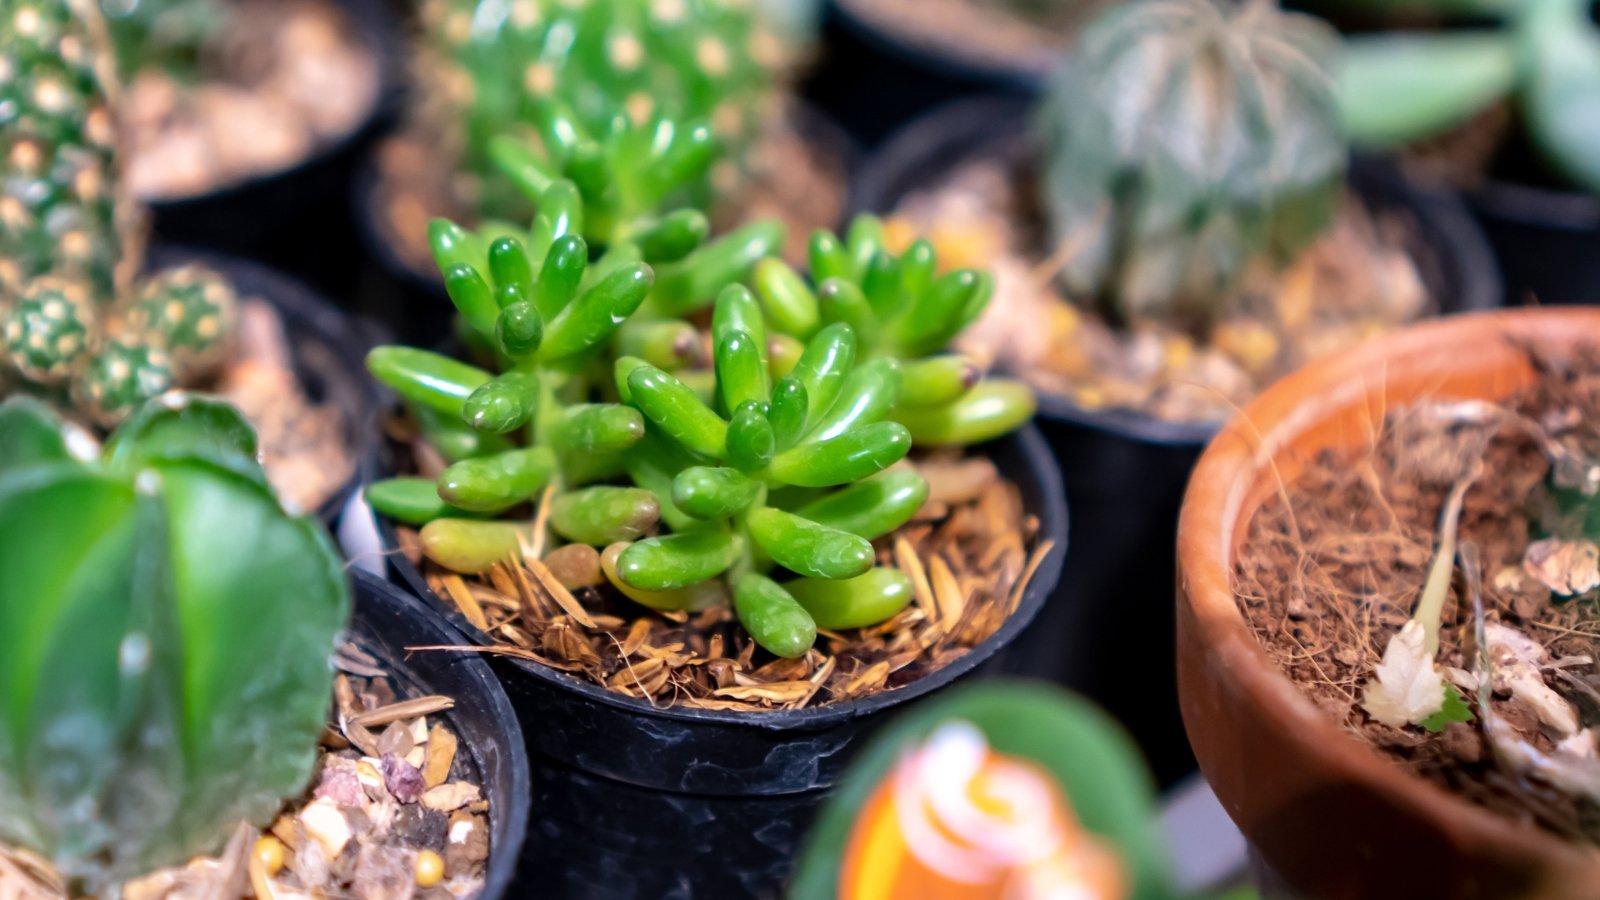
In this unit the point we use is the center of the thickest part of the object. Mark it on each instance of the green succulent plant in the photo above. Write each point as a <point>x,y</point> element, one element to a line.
<point>1399,88</point>
<point>166,34</point>
<point>162,685</point>
<point>563,76</point>
<point>699,483</point>
<point>899,307</point>
<point>1186,140</point>
<point>75,324</point>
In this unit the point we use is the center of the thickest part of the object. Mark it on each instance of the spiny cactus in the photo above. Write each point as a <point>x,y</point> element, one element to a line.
<point>71,312</point>
<point>759,463</point>
<point>1187,140</point>
<point>166,685</point>
<point>901,308</point>
<point>510,67</point>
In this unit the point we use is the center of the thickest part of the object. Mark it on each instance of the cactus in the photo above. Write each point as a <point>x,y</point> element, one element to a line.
<point>71,311</point>
<point>165,685</point>
<point>1187,140</point>
<point>746,472</point>
<point>901,308</point>
<point>512,68</point>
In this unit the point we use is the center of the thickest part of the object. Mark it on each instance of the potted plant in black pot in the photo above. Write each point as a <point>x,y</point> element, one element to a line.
<point>243,119</point>
<point>1503,110</point>
<point>557,78</point>
<point>705,562</point>
<point>1161,254</point>
<point>83,327</point>
<point>169,726</point>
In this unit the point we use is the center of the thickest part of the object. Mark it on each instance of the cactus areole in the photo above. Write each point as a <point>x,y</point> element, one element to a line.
<point>169,629</point>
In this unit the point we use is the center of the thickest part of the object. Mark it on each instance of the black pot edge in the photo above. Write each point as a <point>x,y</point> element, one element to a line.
<point>368,180</point>
<point>1021,79</point>
<point>507,827</point>
<point>1051,512</point>
<point>297,303</point>
<point>1538,207</point>
<point>943,135</point>
<point>382,34</point>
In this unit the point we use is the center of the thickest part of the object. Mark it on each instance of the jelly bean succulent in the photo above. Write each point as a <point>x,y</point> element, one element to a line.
<point>1186,141</point>
<point>702,485</point>
<point>1400,88</point>
<point>75,324</point>
<point>162,685</point>
<point>898,307</point>
<point>513,67</point>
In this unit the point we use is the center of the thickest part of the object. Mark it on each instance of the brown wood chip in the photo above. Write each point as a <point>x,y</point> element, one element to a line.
<point>405,709</point>
<point>440,757</point>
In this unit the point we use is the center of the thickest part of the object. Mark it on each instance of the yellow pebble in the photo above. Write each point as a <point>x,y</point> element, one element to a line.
<point>269,852</point>
<point>430,868</point>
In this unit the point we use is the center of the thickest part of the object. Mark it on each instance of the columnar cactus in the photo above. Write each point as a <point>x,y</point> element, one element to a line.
<point>1187,140</point>
<point>900,308</point>
<point>510,67</point>
<point>71,240</point>
<point>699,483</point>
<point>163,686</point>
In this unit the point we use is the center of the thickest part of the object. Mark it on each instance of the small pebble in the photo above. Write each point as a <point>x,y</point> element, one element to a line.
<point>402,779</point>
<point>418,826</point>
<point>430,868</point>
<point>327,826</point>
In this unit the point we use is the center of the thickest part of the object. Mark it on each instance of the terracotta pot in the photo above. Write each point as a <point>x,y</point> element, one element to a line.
<point>1331,814</point>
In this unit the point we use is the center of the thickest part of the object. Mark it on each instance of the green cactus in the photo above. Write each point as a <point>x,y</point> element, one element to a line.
<point>900,308</point>
<point>525,68</point>
<point>164,686</point>
<point>1187,140</point>
<point>70,238</point>
<point>747,473</point>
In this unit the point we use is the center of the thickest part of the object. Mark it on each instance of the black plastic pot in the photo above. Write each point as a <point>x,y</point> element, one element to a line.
<point>1110,632</point>
<point>387,622</point>
<point>874,78</point>
<point>411,302</point>
<point>633,801</point>
<point>328,349</point>
<point>296,218</point>
<point>1547,241</point>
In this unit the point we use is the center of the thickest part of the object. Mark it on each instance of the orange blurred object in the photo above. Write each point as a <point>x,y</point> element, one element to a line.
<point>956,821</point>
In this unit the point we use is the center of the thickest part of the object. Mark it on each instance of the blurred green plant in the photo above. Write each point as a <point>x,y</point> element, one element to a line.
<point>1399,88</point>
<point>161,685</point>
<point>1185,141</point>
<point>166,34</point>
<point>76,324</point>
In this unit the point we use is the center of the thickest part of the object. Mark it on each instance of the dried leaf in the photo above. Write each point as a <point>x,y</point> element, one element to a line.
<point>1569,568</point>
<point>406,709</point>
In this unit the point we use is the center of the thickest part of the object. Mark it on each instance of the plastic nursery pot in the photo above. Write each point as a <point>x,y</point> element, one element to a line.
<point>327,349</point>
<point>909,74</point>
<point>635,801</point>
<point>1328,812</point>
<point>1125,471</point>
<point>388,622</point>
<point>296,217</point>
<point>409,299</point>
<point>1547,241</point>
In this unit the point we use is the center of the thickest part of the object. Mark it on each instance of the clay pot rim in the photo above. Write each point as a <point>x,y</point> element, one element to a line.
<point>1207,603</point>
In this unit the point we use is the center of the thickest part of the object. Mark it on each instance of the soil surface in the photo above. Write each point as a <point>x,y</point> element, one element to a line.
<point>395,809</point>
<point>284,79</point>
<point>969,552</point>
<point>1363,277</point>
<point>1334,565</point>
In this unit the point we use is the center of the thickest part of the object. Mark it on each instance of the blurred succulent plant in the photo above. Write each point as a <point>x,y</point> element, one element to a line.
<point>74,323</point>
<point>898,308</point>
<point>566,76</point>
<point>758,462</point>
<point>163,686</point>
<point>1398,88</point>
<point>169,34</point>
<point>1185,141</point>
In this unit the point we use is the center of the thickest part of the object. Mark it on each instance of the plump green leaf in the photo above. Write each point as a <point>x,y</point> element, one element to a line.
<point>1397,88</point>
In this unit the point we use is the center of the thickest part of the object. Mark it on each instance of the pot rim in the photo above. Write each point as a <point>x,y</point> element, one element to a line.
<point>1241,672</point>
<point>960,129</point>
<point>1529,205</point>
<point>1052,514</point>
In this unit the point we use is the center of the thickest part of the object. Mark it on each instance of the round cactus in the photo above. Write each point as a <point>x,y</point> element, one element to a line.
<point>189,311</point>
<point>121,375</point>
<point>48,329</point>
<point>60,208</point>
<point>1186,140</point>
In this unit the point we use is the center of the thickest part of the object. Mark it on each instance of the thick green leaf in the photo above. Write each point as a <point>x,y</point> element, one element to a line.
<point>1397,88</point>
<point>183,425</point>
<point>1560,49</point>
<point>31,432</point>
